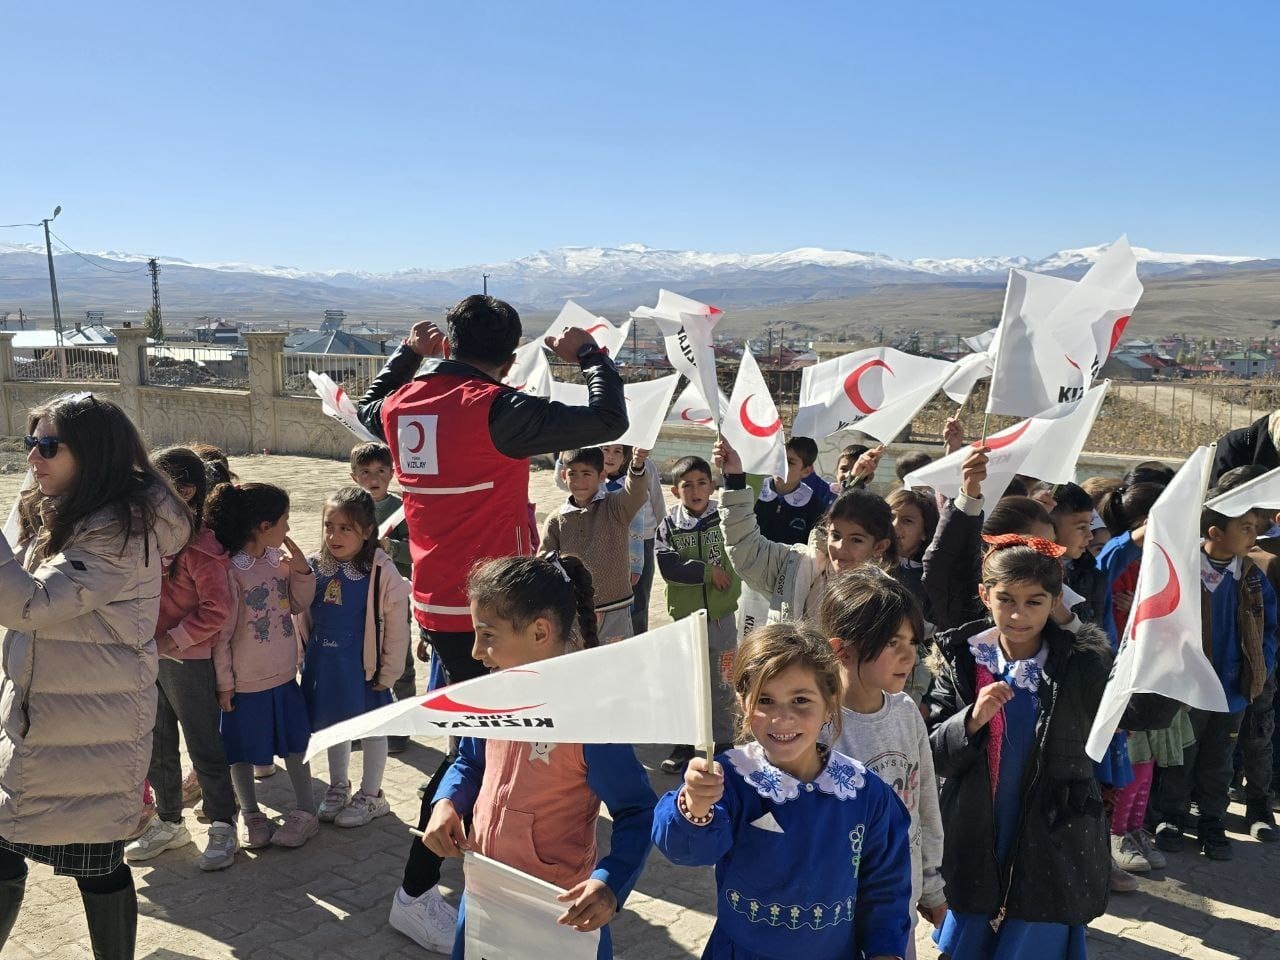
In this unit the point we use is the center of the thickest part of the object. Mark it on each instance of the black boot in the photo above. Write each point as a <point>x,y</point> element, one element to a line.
<point>113,922</point>
<point>11,893</point>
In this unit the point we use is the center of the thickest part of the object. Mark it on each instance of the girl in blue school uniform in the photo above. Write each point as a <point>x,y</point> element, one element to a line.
<point>811,849</point>
<point>1026,855</point>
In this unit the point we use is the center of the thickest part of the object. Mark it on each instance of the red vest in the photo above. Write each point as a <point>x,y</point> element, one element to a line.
<point>463,500</point>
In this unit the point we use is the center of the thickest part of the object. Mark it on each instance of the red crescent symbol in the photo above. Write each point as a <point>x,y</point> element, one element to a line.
<point>598,326</point>
<point>684,415</point>
<point>712,311</point>
<point>753,428</point>
<point>995,443</point>
<point>854,392</point>
<point>514,387</point>
<point>1117,332</point>
<point>442,701</point>
<point>1164,602</point>
<point>339,395</point>
<point>1074,364</point>
<point>422,438</point>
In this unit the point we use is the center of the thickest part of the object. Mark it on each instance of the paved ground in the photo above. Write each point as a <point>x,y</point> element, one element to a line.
<point>330,899</point>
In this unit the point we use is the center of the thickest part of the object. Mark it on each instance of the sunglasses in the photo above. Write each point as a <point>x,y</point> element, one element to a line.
<point>48,446</point>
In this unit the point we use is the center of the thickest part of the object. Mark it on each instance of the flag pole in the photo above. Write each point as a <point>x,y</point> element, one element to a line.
<point>702,684</point>
<point>995,360</point>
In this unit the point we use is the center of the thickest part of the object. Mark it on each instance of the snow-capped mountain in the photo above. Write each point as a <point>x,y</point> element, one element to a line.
<point>611,277</point>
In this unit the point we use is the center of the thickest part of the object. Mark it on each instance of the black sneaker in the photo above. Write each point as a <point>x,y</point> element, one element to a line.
<point>1169,837</point>
<point>1235,793</point>
<point>1262,823</point>
<point>1215,845</point>
<point>679,759</point>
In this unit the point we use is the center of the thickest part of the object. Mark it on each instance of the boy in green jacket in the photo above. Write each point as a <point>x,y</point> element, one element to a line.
<point>694,562</point>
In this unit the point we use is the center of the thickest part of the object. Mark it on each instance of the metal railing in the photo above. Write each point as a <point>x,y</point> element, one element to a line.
<point>352,373</point>
<point>68,363</point>
<point>199,365</point>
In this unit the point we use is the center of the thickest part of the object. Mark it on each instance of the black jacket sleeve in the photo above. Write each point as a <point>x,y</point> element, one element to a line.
<point>952,568</point>
<point>523,426</point>
<point>395,373</point>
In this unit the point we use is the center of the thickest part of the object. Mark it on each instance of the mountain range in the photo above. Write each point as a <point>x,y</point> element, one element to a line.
<point>609,280</point>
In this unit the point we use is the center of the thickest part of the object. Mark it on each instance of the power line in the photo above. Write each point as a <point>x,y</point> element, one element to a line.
<point>9,226</point>
<point>91,263</point>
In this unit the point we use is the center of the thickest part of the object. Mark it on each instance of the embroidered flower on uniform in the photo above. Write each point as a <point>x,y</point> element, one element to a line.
<point>1025,674</point>
<point>754,767</point>
<point>986,650</point>
<point>842,778</point>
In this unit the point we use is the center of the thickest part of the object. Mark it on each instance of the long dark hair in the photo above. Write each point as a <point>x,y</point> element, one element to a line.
<point>864,608</point>
<point>233,512</point>
<point>873,514</point>
<point>185,469</point>
<point>521,589</point>
<point>114,473</point>
<point>928,507</point>
<point>357,505</point>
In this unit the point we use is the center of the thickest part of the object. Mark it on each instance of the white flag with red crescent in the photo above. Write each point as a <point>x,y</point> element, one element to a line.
<point>1045,447</point>
<point>512,915</point>
<point>686,327</point>
<point>1055,333</point>
<point>647,404</point>
<point>606,334</point>
<point>753,426</point>
<point>877,391</point>
<point>530,373</point>
<point>1260,493</point>
<point>335,402</point>
<point>690,408</point>
<point>543,702</point>
<point>1161,649</point>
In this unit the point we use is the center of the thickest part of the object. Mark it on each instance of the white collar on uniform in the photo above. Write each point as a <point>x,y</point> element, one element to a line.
<point>1212,576</point>
<point>684,520</point>
<point>570,507</point>
<point>243,561</point>
<point>985,647</point>
<point>798,497</point>
<point>841,777</point>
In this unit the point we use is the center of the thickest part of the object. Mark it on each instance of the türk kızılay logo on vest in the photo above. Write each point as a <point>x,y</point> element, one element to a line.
<point>416,439</point>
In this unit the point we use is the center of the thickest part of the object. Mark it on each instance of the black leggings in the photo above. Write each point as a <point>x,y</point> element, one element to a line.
<point>13,866</point>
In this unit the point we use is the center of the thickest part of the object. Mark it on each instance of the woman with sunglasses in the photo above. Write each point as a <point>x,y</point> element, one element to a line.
<point>79,597</point>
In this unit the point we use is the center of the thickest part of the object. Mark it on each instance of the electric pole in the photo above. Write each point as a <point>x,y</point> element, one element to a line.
<point>157,327</point>
<point>485,278</point>
<point>53,282</point>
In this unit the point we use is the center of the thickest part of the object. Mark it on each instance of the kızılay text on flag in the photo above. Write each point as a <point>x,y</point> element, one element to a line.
<point>1161,649</point>
<point>686,327</point>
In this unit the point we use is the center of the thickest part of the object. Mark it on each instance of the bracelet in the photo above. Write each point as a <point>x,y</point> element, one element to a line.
<point>683,806</point>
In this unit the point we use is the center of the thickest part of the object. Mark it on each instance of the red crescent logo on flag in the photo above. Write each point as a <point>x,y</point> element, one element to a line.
<point>854,391</point>
<point>684,415</point>
<point>1074,364</point>
<point>514,387</point>
<point>598,326</point>
<point>442,701</point>
<point>753,428</point>
<point>1163,603</point>
<point>996,443</point>
<point>1117,332</point>
<point>339,395</point>
<point>422,438</point>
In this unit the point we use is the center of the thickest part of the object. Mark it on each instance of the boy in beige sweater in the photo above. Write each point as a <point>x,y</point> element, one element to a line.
<point>594,525</point>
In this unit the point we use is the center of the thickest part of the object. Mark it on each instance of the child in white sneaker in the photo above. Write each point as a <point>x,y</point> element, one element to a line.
<point>356,633</point>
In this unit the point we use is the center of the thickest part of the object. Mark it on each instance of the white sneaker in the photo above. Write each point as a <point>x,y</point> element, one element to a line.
<point>335,798</point>
<point>362,809</point>
<point>156,839</point>
<point>429,921</point>
<point>220,852</point>
<point>1127,854</point>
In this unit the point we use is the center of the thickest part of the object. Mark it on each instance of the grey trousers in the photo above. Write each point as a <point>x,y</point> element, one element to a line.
<point>187,695</point>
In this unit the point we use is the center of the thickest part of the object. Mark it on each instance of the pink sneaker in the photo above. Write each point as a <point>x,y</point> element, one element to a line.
<point>257,831</point>
<point>299,827</point>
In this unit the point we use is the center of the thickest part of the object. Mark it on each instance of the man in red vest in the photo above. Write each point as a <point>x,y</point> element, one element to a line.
<point>460,444</point>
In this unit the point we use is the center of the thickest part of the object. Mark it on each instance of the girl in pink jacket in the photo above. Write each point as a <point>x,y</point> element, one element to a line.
<point>195,602</point>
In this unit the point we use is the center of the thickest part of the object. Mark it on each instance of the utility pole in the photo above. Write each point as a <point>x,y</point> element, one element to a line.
<point>157,329</point>
<point>22,319</point>
<point>485,278</point>
<point>53,283</point>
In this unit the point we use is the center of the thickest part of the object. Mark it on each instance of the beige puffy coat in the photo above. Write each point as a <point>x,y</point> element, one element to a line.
<point>78,696</point>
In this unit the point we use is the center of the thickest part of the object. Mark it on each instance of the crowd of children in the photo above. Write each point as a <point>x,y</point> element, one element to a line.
<point>903,740</point>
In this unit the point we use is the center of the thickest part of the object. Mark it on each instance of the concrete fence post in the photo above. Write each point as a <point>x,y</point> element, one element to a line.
<point>264,387</point>
<point>130,342</point>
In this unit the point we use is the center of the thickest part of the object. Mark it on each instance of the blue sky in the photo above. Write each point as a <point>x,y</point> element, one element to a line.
<point>388,135</point>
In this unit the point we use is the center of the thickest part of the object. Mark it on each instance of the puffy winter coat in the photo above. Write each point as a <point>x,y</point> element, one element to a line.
<point>78,698</point>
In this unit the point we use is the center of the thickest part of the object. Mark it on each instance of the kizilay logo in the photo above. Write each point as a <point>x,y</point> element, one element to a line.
<point>476,721</point>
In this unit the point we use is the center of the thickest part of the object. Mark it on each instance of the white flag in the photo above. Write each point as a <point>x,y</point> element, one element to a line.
<point>982,342</point>
<point>544,701</point>
<point>13,525</point>
<point>876,391</point>
<point>530,373</point>
<point>965,374</point>
<point>752,612</point>
<point>753,426</point>
<point>686,327</point>
<point>1045,447</point>
<point>1161,650</point>
<point>1055,334</point>
<point>335,402</point>
<point>389,524</point>
<point>512,916</point>
<point>691,408</point>
<point>1260,493</point>
<point>647,403</point>
<point>611,338</point>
